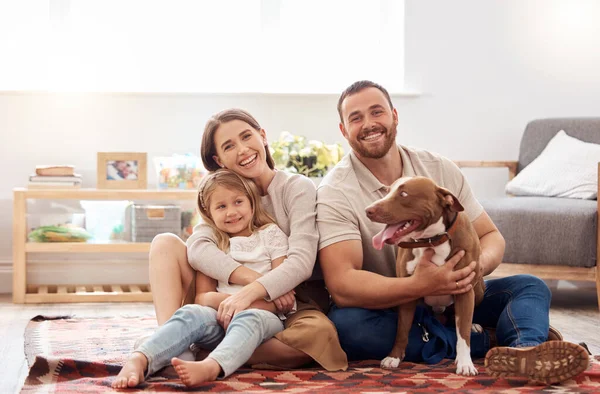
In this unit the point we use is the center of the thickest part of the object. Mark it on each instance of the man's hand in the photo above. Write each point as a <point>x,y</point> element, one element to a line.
<point>285,303</point>
<point>443,280</point>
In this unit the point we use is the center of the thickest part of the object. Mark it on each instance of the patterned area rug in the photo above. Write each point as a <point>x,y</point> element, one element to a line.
<point>73,355</point>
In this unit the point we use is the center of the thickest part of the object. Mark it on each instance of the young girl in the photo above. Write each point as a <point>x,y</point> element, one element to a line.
<point>231,206</point>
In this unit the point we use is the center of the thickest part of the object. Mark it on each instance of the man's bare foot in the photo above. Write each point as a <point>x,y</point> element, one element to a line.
<point>132,372</point>
<point>194,373</point>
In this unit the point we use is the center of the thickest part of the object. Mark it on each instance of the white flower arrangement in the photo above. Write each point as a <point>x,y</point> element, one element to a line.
<point>311,158</point>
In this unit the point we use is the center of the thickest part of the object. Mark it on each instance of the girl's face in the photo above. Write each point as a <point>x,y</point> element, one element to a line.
<point>241,149</point>
<point>231,211</point>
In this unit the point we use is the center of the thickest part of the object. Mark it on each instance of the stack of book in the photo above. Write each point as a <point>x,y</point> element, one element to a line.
<point>54,177</point>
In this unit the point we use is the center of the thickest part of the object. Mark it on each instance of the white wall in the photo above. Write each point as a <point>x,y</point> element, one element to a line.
<point>485,67</point>
<point>491,66</point>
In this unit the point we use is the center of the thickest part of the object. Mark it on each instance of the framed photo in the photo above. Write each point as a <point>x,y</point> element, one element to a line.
<point>122,170</point>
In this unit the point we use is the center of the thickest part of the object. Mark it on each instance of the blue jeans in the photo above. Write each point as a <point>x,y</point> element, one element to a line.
<point>198,324</point>
<point>517,307</point>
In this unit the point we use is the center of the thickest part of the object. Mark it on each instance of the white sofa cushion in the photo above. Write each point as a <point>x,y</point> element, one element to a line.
<point>567,167</point>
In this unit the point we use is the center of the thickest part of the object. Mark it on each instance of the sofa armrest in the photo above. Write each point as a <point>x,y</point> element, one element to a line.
<point>511,165</point>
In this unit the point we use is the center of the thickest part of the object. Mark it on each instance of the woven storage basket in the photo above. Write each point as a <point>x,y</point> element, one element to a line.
<point>147,221</point>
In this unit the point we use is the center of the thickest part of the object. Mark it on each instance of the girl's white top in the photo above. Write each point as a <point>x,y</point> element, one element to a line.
<point>256,252</point>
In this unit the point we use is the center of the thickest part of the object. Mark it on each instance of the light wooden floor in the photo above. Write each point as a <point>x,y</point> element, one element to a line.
<point>574,312</point>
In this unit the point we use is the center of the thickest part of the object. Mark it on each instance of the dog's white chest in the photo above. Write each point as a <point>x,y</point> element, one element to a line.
<point>439,303</point>
<point>439,258</point>
<point>441,251</point>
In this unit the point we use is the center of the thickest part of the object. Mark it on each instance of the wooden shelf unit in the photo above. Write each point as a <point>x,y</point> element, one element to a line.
<point>24,293</point>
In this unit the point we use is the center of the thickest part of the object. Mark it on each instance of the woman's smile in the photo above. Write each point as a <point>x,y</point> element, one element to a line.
<point>249,161</point>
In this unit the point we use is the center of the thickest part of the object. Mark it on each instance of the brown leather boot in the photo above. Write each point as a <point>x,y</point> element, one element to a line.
<point>551,362</point>
<point>553,334</point>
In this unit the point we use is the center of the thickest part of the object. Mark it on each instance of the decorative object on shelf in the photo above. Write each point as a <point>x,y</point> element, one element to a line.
<point>122,170</point>
<point>179,171</point>
<point>55,170</point>
<point>54,176</point>
<point>54,182</point>
<point>311,158</point>
<point>103,219</point>
<point>63,233</point>
<point>147,221</point>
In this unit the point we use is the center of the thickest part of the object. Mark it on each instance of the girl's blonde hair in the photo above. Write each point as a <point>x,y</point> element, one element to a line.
<point>230,180</point>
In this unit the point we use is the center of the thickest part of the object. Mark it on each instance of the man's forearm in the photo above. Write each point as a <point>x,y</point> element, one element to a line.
<point>492,251</point>
<point>373,291</point>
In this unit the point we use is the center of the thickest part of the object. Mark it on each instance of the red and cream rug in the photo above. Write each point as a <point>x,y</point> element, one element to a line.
<point>76,355</point>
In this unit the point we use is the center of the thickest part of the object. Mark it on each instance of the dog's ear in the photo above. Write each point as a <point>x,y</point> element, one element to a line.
<point>449,200</point>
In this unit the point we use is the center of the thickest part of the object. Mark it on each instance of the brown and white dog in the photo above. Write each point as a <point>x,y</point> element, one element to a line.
<point>420,214</point>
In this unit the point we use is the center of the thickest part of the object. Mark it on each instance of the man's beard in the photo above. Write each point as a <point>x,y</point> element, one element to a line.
<point>375,152</point>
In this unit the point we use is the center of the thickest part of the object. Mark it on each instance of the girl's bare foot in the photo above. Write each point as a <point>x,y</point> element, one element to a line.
<point>132,372</point>
<point>194,373</point>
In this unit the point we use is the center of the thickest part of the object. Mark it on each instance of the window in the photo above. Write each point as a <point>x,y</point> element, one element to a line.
<point>220,46</point>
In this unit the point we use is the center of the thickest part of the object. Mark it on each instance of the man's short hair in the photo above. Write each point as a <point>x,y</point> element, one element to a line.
<point>358,87</point>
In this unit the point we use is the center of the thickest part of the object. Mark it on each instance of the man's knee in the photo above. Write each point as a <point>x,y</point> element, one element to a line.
<point>531,284</point>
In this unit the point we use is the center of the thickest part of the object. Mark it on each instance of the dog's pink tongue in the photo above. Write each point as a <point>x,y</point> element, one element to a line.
<point>384,235</point>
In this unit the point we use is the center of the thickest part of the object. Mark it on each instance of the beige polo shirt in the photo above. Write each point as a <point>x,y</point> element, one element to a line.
<point>350,187</point>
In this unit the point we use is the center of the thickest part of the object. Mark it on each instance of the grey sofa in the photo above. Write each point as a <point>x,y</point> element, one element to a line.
<point>550,237</point>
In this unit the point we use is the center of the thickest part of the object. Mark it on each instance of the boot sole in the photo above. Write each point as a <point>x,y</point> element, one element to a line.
<point>550,362</point>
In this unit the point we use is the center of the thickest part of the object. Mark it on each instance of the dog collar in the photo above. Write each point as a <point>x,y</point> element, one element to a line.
<point>432,241</point>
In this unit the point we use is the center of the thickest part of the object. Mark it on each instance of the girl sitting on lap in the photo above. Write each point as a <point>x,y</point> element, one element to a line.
<point>231,205</point>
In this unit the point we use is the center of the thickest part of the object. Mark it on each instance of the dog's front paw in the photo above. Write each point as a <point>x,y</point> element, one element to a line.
<point>391,362</point>
<point>465,368</point>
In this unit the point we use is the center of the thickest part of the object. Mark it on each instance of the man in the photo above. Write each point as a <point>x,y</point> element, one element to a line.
<point>362,281</point>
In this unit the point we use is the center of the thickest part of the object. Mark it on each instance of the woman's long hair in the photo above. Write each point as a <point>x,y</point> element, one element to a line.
<point>232,181</point>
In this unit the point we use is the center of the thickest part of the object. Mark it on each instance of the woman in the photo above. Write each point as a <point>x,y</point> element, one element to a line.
<point>233,139</point>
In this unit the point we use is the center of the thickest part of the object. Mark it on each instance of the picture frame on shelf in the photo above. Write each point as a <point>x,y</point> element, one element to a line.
<point>122,170</point>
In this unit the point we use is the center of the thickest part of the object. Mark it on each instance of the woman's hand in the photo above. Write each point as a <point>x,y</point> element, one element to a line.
<point>238,302</point>
<point>285,303</point>
<point>443,280</point>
